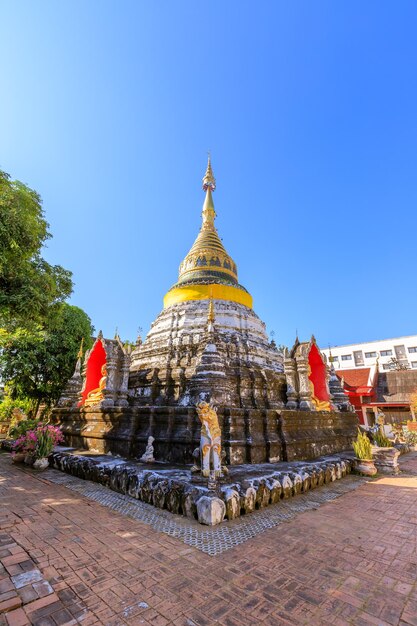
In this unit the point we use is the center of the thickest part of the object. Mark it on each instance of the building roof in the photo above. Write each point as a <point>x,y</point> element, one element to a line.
<point>355,377</point>
<point>396,386</point>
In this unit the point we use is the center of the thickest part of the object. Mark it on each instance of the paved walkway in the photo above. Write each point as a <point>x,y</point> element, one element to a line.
<point>68,560</point>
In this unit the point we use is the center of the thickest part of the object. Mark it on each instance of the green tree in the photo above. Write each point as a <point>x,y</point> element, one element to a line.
<point>37,363</point>
<point>28,284</point>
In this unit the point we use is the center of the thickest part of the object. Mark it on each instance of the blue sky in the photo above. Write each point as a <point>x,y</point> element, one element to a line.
<point>108,109</point>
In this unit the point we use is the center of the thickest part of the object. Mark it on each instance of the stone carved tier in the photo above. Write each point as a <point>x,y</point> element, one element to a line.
<point>340,398</point>
<point>231,363</point>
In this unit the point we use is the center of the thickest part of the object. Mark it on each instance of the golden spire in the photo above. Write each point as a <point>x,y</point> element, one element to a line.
<point>208,180</point>
<point>208,267</point>
<point>208,258</point>
<point>209,185</point>
<point>80,351</point>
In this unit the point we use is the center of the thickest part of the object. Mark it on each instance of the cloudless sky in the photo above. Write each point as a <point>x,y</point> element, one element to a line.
<point>108,108</point>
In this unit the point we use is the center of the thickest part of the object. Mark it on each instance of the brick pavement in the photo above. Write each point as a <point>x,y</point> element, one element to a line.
<point>68,560</point>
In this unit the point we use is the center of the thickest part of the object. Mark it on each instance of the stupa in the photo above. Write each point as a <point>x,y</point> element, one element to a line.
<point>209,345</point>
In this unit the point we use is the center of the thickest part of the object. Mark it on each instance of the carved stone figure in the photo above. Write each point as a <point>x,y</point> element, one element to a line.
<point>210,442</point>
<point>148,455</point>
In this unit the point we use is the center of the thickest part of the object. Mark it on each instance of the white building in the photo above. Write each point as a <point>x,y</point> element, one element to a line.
<point>391,353</point>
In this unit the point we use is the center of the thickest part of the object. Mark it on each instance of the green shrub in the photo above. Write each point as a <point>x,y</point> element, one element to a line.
<point>21,428</point>
<point>410,437</point>
<point>362,447</point>
<point>382,441</point>
<point>7,406</point>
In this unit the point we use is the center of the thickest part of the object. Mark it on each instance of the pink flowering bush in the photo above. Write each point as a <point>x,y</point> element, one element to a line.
<point>19,445</point>
<point>40,442</point>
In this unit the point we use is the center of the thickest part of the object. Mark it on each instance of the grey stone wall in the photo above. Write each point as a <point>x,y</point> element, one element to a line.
<point>249,435</point>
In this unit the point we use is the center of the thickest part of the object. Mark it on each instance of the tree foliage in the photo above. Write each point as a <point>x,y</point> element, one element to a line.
<point>37,363</point>
<point>29,285</point>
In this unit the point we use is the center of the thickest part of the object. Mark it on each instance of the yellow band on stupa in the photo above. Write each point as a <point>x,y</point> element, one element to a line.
<point>205,292</point>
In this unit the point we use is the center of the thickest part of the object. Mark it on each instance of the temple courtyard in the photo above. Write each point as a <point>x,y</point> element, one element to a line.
<point>75,552</point>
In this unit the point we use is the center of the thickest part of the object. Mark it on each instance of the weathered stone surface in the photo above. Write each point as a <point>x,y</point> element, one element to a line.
<point>310,434</point>
<point>306,480</point>
<point>160,494</point>
<point>210,510</point>
<point>174,497</point>
<point>146,491</point>
<point>134,486</point>
<point>386,460</point>
<point>232,501</point>
<point>248,435</point>
<point>297,483</point>
<point>275,490</point>
<point>173,489</point>
<point>262,494</point>
<point>248,500</point>
<point>167,367</point>
<point>321,476</point>
<point>287,487</point>
<point>189,502</point>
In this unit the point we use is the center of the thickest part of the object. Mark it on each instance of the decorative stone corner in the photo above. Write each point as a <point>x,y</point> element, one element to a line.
<point>246,488</point>
<point>210,510</point>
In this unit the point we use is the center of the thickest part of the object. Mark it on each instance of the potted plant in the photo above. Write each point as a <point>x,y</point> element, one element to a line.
<point>19,450</point>
<point>385,454</point>
<point>30,445</point>
<point>363,451</point>
<point>47,437</point>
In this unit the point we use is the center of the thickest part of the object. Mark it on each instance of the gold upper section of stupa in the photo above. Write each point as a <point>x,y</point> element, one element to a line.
<point>208,271</point>
<point>208,257</point>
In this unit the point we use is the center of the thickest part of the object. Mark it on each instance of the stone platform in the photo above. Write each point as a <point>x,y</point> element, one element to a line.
<point>248,435</point>
<point>245,489</point>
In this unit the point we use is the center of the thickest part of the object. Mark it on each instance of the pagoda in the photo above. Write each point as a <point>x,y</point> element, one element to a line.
<point>207,345</point>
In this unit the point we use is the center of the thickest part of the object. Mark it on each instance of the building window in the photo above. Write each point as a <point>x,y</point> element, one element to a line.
<point>346,357</point>
<point>333,359</point>
<point>413,349</point>
<point>387,366</point>
<point>386,353</point>
<point>414,365</point>
<point>370,355</point>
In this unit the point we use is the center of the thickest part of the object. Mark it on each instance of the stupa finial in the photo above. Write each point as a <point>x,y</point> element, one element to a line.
<point>209,185</point>
<point>80,351</point>
<point>209,181</point>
